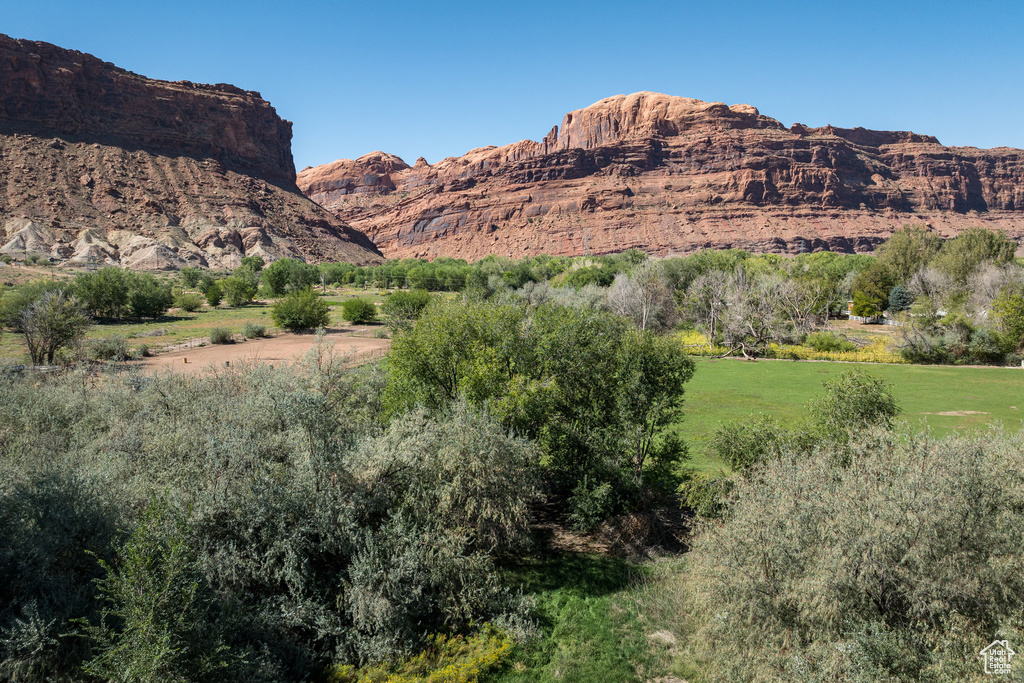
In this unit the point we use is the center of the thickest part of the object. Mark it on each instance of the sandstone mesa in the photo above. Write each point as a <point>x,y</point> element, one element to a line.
<point>670,175</point>
<point>101,165</point>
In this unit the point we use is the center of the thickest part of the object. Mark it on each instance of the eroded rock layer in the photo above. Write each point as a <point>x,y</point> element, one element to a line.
<point>670,175</point>
<point>100,164</point>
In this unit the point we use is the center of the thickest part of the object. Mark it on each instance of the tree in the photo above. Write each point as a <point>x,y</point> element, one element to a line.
<point>147,298</point>
<point>105,293</point>
<point>900,299</point>
<point>254,263</point>
<point>359,311</point>
<point>214,294</point>
<point>873,286</point>
<point>908,250</point>
<point>17,300</point>
<point>854,400</point>
<point>403,308</point>
<point>156,623</point>
<point>190,277</point>
<point>238,290</point>
<point>643,297</point>
<point>301,309</point>
<point>1008,310</point>
<point>55,320</point>
<point>963,254</point>
<point>289,274</point>
<point>706,300</point>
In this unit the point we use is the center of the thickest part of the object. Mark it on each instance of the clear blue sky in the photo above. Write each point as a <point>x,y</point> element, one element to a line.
<point>435,79</point>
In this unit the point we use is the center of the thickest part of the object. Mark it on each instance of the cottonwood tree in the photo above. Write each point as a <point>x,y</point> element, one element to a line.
<point>642,296</point>
<point>756,315</point>
<point>706,301</point>
<point>55,320</point>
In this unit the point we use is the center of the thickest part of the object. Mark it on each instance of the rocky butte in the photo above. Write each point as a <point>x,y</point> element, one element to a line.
<point>98,164</point>
<point>670,175</point>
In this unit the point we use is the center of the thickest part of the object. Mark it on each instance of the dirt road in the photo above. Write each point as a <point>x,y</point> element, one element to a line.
<point>279,350</point>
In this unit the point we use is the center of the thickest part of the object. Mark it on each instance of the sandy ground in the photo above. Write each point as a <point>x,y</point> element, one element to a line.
<point>282,349</point>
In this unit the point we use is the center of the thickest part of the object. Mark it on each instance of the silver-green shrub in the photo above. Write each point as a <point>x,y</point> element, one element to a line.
<point>899,560</point>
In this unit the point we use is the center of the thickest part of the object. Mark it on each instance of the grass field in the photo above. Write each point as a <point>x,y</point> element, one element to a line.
<point>179,326</point>
<point>731,390</point>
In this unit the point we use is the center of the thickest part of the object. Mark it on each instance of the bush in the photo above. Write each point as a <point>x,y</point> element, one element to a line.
<point>156,623</point>
<point>898,564</point>
<point>254,330</point>
<point>359,311</point>
<point>238,290</point>
<point>219,335</point>
<point>752,442</point>
<point>189,301</point>
<point>214,294</point>
<point>853,400</point>
<point>403,308</point>
<point>112,347</point>
<point>828,341</point>
<point>301,310</point>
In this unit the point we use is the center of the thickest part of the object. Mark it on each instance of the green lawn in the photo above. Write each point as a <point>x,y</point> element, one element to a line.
<point>730,390</point>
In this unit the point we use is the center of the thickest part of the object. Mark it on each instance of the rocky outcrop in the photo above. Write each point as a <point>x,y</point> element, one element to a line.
<point>670,175</point>
<point>202,174</point>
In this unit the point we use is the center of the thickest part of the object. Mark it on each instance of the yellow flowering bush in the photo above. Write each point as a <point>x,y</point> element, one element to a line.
<point>447,659</point>
<point>878,351</point>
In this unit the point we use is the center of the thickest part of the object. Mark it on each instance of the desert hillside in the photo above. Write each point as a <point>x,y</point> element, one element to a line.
<point>101,164</point>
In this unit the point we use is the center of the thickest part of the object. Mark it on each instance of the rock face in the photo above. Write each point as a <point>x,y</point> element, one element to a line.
<point>191,174</point>
<point>670,175</point>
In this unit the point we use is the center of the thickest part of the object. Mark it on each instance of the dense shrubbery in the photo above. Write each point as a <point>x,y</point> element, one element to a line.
<point>596,394</point>
<point>884,558</point>
<point>273,525</point>
<point>403,308</point>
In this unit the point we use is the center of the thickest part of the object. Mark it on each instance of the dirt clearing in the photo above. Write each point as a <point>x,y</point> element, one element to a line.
<point>282,349</point>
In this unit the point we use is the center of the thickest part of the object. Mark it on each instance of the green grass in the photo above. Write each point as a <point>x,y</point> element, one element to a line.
<point>587,613</point>
<point>180,326</point>
<point>731,390</point>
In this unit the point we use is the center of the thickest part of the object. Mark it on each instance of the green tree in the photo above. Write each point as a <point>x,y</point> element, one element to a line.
<point>900,299</point>
<point>402,308</point>
<point>871,289</point>
<point>1008,310</point>
<point>214,294</point>
<point>18,299</point>
<point>55,320</point>
<point>104,293</point>
<point>238,290</point>
<point>254,263</point>
<point>908,250</point>
<point>359,311</point>
<point>853,400</point>
<point>962,255</point>
<point>190,277</point>
<point>147,298</point>
<point>301,309</point>
<point>289,274</point>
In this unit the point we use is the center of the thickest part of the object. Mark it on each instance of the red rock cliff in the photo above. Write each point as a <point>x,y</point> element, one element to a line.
<point>670,175</point>
<point>101,164</point>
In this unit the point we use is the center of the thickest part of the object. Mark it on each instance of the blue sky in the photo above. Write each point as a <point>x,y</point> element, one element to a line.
<point>435,79</point>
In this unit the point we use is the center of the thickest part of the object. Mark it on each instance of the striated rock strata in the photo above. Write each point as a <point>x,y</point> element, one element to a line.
<point>100,164</point>
<point>670,175</point>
